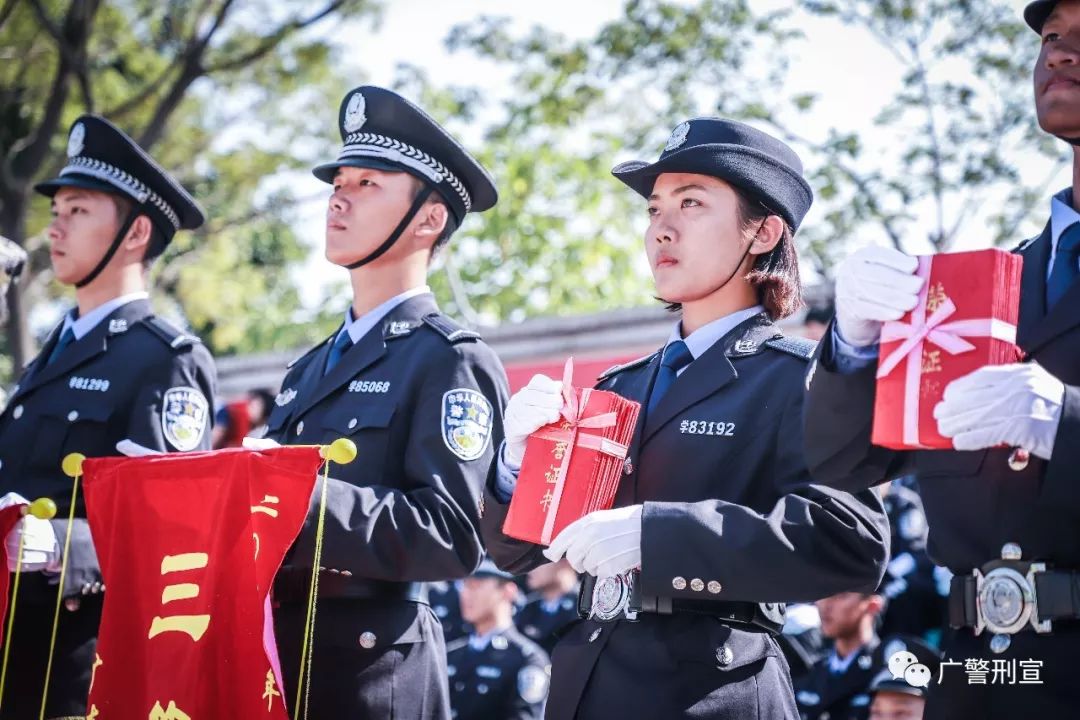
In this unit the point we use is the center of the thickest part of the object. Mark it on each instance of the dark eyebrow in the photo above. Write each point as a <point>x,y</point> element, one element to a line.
<point>682,189</point>
<point>76,195</point>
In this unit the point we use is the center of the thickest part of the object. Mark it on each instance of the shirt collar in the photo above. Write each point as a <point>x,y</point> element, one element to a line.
<point>480,642</point>
<point>83,325</point>
<point>358,328</point>
<point>840,665</point>
<point>1062,215</point>
<point>708,334</point>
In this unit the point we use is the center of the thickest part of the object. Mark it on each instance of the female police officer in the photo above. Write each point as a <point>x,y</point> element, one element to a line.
<point>715,521</point>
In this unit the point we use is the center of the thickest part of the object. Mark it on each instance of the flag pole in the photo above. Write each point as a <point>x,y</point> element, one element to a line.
<point>342,451</point>
<point>72,466</point>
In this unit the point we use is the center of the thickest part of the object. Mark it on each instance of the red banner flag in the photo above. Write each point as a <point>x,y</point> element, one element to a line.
<point>9,516</point>
<point>189,545</point>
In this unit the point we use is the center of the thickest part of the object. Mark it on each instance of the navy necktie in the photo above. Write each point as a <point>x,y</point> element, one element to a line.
<point>676,356</point>
<point>1066,266</point>
<point>66,339</point>
<point>341,345</point>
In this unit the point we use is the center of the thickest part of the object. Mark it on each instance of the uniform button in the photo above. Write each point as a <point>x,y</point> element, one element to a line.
<point>724,656</point>
<point>459,686</point>
<point>367,640</point>
<point>300,427</point>
<point>696,585</point>
<point>714,587</point>
<point>352,423</point>
<point>73,416</point>
<point>679,583</point>
<point>628,467</point>
<point>595,634</point>
<point>482,689</point>
<point>17,412</point>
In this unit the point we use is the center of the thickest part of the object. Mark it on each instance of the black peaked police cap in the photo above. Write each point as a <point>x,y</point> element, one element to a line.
<point>384,131</point>
<point>102,157</point>
<point>734,152</point>
<point>1035,13</point>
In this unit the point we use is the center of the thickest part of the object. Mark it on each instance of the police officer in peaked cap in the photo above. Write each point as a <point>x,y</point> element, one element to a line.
<point>715,523</point>
<point>495,671</point>
<point>110,371</point>
<point>420,396</point>
<point>1002,507</point>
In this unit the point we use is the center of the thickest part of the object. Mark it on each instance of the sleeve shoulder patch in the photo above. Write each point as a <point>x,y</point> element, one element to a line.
<point>169,333</point>
<point>449,329</point>
<point>467,420</point>
<point>797,346</point>
<point>616,369</point>
<point>185,415</point>
<point>532,684</point>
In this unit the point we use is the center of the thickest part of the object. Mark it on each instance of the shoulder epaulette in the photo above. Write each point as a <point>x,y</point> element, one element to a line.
<point>1025,245</point>
<point>449,329</point>
<point>797,346</point>
<point>616,369</point>
<point>457,644</point>
<point>297,359</point>
<point>172,336</point>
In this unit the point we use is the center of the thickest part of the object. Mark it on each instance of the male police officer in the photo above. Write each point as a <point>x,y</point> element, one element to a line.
<point>110,371</point>
<point>495,672</point>
<point>422,399</point>
<point>552,605</point>
<point>915,606</point>
<point>836,687</point>
<point>1005,525</point>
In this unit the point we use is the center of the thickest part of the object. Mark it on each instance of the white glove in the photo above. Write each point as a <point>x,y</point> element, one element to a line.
<point>251,443</point>
<point>40,548</point>
<point>1016,405</point>
<point>537,404</point>
<point>603,543</point>
<point>133,449</point>
<point>873,285</point>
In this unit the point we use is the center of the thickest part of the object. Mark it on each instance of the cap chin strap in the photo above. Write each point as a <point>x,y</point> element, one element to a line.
<point>120,235</point>
<point>1072,141</point>
<point>743,258</point>
<point>421,198</point>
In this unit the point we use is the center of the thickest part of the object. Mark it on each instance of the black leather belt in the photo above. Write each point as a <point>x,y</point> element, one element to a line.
<point>1010,595</point>
<point>292,585</point>
<point>618,598</point>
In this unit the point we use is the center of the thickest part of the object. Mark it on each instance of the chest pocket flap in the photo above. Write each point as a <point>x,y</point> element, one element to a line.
<point>350,416</point>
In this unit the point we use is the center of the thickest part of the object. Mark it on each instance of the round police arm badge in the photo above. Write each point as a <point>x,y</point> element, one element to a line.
<point>466,422</point>
<point>185,415</point>
<point>532,684</point>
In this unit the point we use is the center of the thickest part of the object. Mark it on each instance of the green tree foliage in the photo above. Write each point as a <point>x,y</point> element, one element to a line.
<point>961,121</point>
<point>941,158</point>
<point>225,94</point>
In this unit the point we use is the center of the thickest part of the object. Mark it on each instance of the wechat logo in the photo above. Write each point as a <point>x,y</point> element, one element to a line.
<point>904,664</point>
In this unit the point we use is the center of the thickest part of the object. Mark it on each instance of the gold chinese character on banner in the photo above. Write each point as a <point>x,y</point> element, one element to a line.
<point>552,475</point>
<point>560,450</point>
<point>264,508</point>
<point>192,625</point>
<point>169,713</point>
<point>269,691</point>
<point>546,500</point>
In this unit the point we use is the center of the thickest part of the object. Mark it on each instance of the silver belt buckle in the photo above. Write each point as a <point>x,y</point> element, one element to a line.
<point>611,598</point>
<point>1006,601</point>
